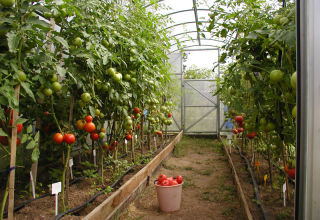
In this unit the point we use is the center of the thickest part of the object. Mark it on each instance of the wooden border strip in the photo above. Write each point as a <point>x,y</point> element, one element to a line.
<point>106,208</point>
<point>239,188</point>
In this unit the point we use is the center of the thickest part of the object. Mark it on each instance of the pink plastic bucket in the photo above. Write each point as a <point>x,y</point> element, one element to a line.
<point>169,197</point>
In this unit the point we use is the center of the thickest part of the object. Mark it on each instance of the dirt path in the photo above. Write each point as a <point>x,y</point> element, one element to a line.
<point>208,190</point>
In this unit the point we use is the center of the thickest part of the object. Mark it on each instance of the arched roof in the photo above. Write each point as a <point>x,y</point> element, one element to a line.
<point>189,22</point>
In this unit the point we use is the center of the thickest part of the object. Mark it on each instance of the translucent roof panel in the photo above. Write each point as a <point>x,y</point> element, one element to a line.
<point>188,22</point>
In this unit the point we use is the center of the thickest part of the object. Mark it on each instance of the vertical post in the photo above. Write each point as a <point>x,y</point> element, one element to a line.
<point>218,99</point>
<point>13,158</point>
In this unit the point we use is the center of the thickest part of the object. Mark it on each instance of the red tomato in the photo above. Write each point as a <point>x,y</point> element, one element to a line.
<point>173,183</point>
<point>111,147</point>
<point>238,118</point>
<point>128,137</point>
<point>69,138</point>
<point>161,178</point>
<point>90,127</point>
<point>169,115</point>
<point>165,183</point>
<point>132,117</point>
<point>136,110</point>
<point>240,130</point>
<point>94,136</point>
<point>19,128</point>
<point>159,133</point>
<point>252,135</point>
<point>235,131</point>
<point>46,113</point>
<point>292,173</point>
<point>241,124</point>
<point>80,124</point>
<point>4,140</point>
<point>179,179</point>
<point>170,178</point>
<point>18,141</point>
<point>88,118</point>
<point>114,144</point>
<point>138,127</point>
<point>58,138</point>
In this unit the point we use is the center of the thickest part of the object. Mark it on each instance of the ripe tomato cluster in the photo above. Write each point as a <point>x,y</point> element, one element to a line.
<point>8,128</point>
<point>67,138</point>
<point>163,180</point>
<point>240,123</point>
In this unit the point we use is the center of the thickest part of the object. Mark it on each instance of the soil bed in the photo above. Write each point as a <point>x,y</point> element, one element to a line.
<point>208,190</point>
<point>83,190</point>
<point>271,198</point>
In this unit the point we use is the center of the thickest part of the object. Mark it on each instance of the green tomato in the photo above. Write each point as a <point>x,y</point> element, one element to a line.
<point>54,78</point>
<point>270,126</point>
<point>276,76</point>
<point>117,77</point>
<point>284,20</point>
<point>21,76</point>
<point>127,77</point>
<point>56,86</point>
<point>111,71</point>
<point>106,87</point>
<point>101,115</point>
<point>47,91</point>
<point>263,121</point>
<point>102,135</point>
<point>85,97</point>
<point>276,19</point>
<point>133,80</point>
<point>294,111</point>
<point>97,112</point>
<point>7,3</point>
<point>77,42</point>
<point>293,80</point>
<point>132,73</point>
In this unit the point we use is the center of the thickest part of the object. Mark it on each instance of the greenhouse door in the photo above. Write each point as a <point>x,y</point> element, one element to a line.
<point>200,108</point>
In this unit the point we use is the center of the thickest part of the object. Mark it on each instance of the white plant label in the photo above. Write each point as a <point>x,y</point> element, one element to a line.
<point>229,136</point>
<point>32,185</point>
<point>136,137</point>
<point>70,165</point>
<point>284,188</point>
<point>230,148</point>
<point>55,189</point>
<point>155,141</point>
<point>126,142</point>
<point>94,157</point>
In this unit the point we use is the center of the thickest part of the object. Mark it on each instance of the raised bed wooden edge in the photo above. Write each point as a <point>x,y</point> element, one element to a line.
<point>109,207</point>
<point>243,200</point>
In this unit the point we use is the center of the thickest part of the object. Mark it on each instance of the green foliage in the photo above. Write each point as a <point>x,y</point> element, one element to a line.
<point>194,72</point>
<point>261,39</point>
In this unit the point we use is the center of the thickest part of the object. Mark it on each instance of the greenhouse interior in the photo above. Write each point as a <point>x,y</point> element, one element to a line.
<point>159,109</point>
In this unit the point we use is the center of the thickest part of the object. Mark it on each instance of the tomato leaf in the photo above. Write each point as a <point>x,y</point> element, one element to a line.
<point>31,145</point>
<point>13,41</point>
<point>29,129</point>
<point>35,154</point>
<point>28,90</point>
<point>36,138</point>
<point>92,111</point>
<point>62,41</point>
<point>21,120</point>
<point>2,133</point>
<point>24,138</point>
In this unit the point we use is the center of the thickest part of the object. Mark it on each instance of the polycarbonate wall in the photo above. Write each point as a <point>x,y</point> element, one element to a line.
<point>200,107</point>
<point>175,61</point>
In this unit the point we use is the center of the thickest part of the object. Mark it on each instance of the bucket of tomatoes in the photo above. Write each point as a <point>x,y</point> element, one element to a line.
<point>169,191</point>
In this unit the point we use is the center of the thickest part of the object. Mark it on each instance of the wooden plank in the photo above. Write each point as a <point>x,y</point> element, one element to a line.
<point>238,184</point>
<point>106,208</point>
<point>13,158</point>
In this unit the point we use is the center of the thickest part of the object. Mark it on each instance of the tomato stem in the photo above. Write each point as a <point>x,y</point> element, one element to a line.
<point>54,115</point>
<point>64,177</point>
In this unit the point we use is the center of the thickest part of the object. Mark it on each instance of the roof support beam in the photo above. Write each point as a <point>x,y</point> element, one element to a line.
<point>197,20</point>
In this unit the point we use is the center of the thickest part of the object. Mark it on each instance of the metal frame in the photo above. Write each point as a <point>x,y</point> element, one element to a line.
<point>184,48</point>
<point>308,127</point>
<point>183,41</point>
